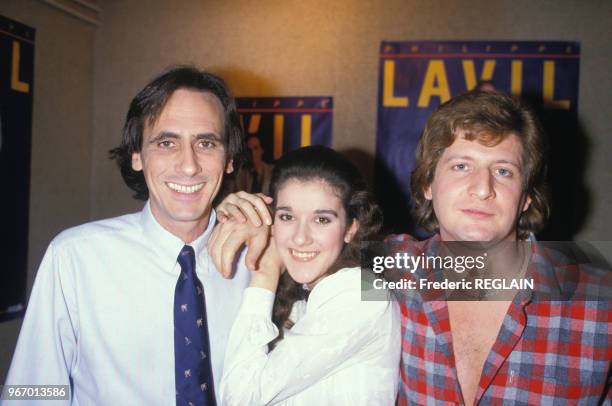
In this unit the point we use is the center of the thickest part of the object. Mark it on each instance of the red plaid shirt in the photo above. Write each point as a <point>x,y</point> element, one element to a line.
<point>547,351</point>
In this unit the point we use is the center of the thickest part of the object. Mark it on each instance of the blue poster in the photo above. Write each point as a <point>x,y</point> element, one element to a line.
<point>16,87</point>
<point>287,123</point>
<point>417,76</point>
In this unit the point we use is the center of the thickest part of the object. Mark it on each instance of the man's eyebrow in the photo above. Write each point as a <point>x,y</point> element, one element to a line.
<point>162,136</point>
<point>461,157</point>
<point>505,161</point>
<point>469,158</point>
<point>208,136</point>
<point>169,134</point>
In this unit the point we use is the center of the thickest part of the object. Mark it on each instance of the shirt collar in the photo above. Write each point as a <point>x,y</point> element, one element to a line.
<point>168,246</point>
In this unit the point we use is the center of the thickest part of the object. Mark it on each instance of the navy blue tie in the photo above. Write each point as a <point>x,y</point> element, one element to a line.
<point>192,368</point>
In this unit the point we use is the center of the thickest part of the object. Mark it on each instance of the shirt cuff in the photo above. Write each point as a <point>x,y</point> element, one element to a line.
<point>258,301</point>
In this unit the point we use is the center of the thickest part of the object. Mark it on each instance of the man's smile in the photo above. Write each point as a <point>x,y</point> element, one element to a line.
<point>187,189</point>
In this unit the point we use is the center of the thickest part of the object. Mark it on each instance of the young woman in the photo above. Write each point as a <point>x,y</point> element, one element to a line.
<point>305,336</point>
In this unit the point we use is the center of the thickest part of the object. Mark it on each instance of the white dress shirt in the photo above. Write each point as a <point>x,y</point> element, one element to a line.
<point>341,350</point>
<point>101,312</point>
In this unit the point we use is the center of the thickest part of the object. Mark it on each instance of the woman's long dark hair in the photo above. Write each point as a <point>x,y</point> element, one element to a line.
<point>322,163</point>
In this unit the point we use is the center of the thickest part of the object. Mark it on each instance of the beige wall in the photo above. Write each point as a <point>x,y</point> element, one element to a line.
<point>61,133</point>
<point>263,48</point>
<point>320,47</point>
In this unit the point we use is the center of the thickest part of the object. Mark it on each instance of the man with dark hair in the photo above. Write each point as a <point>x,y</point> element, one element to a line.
<point>254,177</point>
<point>480,177</point>
<point>130,310</point>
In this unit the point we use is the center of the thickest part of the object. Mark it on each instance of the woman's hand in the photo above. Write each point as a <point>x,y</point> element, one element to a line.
<point>227,239</point>
<point>242,206</point>
<point>270,269</point>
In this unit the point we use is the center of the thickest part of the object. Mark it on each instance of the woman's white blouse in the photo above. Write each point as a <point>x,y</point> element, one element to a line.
<point>341,350</point>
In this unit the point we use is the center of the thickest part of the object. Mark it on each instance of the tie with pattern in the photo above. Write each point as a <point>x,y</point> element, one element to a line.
<point>192,368</point>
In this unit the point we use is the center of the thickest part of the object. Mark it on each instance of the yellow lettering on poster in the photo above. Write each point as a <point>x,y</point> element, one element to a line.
<point>254,124</point>
<point>434,84</point>
<point>548,90</point>
<point>306,130</point>
<point>469,72</point>
<point>516,78</point>
<point>16,83</point>
<point>279,123</point>
<point>389,99</point>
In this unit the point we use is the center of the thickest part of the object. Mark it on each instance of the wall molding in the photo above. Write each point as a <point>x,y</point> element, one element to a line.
<point>87,11</point>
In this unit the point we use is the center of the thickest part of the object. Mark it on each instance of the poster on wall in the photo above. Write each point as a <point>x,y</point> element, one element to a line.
<point>287,123</point>
<point>417,76</point>
<point>16,87</point>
